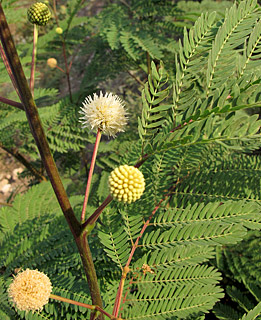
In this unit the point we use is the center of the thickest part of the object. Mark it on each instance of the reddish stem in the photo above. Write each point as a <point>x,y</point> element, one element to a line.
<point>60,69</point>
<point>126,293</point>
<point>126,268</point>
<point>81,304</point>
<point>142,232</point>
<point>70,65</point>
<point>12,103</point>
<point>143,159</point>
<point>6,204</point>
<point>88,186</point>
<point>97,212</point>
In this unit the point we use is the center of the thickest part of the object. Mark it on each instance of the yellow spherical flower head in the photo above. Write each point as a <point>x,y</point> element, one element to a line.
<point>106,113</point>
<point>126,183</point>
<point>30,290</point>
<point>39,14</point>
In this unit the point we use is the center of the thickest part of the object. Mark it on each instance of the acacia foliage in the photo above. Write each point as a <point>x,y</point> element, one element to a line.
<point>193,137</point>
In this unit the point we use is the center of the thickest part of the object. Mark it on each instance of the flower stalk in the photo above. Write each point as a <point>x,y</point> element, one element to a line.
<point>67,67</point>
<point>88,186</point>
<point>105,114</point>
<point>84,305</point>
<point>32,78</point>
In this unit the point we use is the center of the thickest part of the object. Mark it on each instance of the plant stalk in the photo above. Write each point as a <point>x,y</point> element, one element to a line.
<point>81,304</point>
<point>126,268</point>
<point>135,78</point>
<point>32,78</point>
<point>46,155</point>
<point>88,186</point>
<point>148,63</point>
<point>89,269</point>
<point>24,162</point>
<point>12,103</point>
<point>6,204</point>
<point>67,68</point>
<point>93,218</point>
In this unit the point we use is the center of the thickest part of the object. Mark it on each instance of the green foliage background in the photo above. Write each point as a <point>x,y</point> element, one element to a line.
<point>190,75</point>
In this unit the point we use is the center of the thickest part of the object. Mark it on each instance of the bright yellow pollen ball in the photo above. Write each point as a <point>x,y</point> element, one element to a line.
<point>126,183</point>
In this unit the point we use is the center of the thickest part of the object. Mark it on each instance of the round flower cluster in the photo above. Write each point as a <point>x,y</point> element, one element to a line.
<point>126,183</point>
<point>52,63</point>
<point>30,290</point>
<point>39,14</point>
<point>106,113</point>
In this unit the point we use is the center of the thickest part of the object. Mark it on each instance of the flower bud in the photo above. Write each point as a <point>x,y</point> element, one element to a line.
<point>63,9</point>
<point>59,30</point>
<point>52,63</point>
<point>39,14</point>
<point>126,183</point>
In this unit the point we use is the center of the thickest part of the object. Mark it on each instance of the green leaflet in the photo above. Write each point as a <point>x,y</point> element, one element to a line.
<point>178,256</point>
<point>236,19</point>
<point>60,122</point>
<point>253,314</point>
<point>140,36</point>
<point>30,239</point>
<point>195,148</point>
<point>153,115</point>
<point>241,264</point>
<point>222,176</point>
<point>116,242</point>
<point>185,306</point>
<point>27,208</point>
<point>179,239</point>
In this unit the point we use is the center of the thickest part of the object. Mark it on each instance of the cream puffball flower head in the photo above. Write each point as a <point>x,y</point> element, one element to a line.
<point>106,113</point>
<point>126,183</point>
<point>30,290</point>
